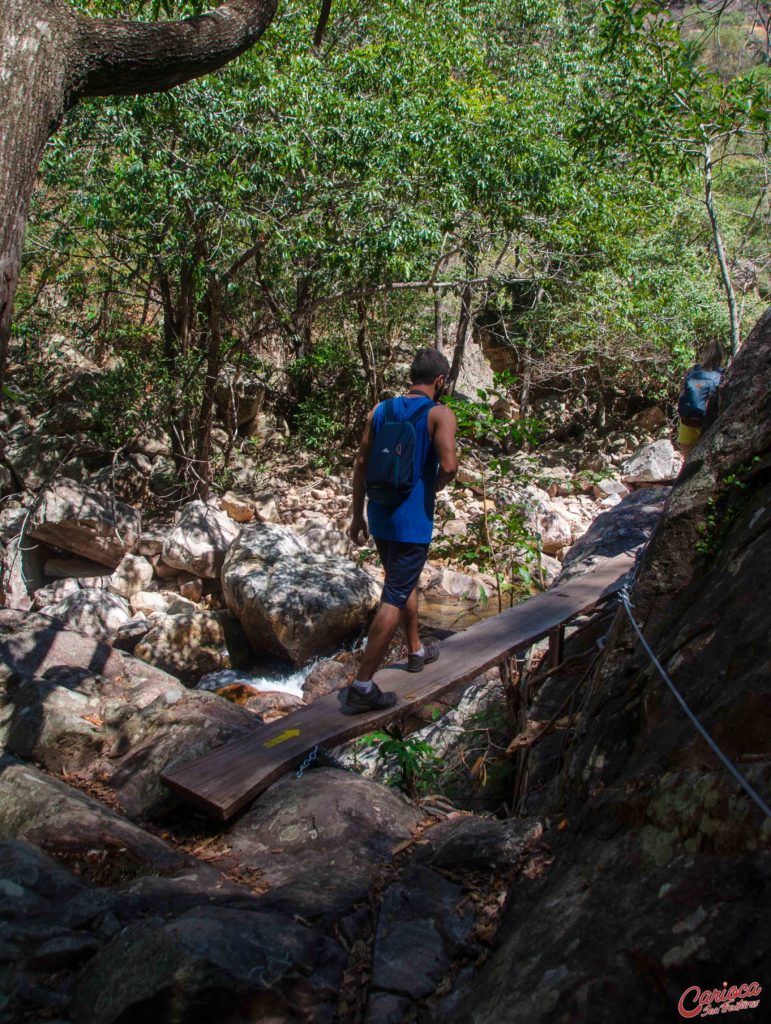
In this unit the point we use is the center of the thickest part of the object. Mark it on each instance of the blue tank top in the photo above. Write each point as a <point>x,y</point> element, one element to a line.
<point>413,521</point>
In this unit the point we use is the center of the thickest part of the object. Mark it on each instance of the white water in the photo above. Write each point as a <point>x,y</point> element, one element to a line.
<point>281,677</point>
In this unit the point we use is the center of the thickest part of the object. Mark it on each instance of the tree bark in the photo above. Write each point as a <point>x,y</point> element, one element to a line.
<point>725,273</point>
<point>50,57</point>
<point>213,307</point>
<point>464,320</point>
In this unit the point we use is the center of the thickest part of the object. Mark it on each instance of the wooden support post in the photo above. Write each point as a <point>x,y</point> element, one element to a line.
<point>510,678</point>
<point>556,646</point>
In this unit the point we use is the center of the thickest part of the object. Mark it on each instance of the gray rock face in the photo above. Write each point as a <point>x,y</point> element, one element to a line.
<point>85,521</point>
<point>34,652</point>
<point>212,963</point>
<point>478,844</point>
<point>77,829</point>
<point>326,677</point>
<point>290,602</point>
<point>321,540</point>
<point>89,611</point>
<point>54,593</point>
<point>657,462</point>
<point>173,727</point>
<point>200,540</point>
<point>421,927</point>
<point>622,528</point>
<point>321,839</point>
<point>194,643</point>
<point>117,718</point>
<point>52,724</point>
<point>36,459</point>
<point>239,396</point>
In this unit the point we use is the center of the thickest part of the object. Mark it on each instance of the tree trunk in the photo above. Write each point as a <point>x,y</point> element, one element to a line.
<point>50,57</point>
<point>367,355</point>
<point>464,322</point>
<point>202,465</point>
<point>439,333</point>
<point>725,274</point>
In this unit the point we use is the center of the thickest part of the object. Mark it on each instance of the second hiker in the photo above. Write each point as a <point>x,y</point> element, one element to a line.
<point>699,386</point>
<point>407,454</point>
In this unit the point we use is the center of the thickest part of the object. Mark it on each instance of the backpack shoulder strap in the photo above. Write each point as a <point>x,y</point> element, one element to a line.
<point>414,414</point>
<point>388,411</point>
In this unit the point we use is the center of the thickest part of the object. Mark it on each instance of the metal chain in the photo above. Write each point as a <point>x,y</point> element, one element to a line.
<point>307,762</point>
<point>320,757</point>
<point>624,598</point>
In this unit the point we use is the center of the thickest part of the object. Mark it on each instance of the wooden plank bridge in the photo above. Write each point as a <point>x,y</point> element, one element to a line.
<point>230,776</point>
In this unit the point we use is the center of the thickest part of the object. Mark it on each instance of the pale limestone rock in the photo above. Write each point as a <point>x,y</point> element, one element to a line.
<point>657,462</point>
<point>240,509</point>
<point>604,488</point>
<point>555,531</point>
<point>455,528</point>
<point>81,519</point>
<point>90,611</point>
<point>133,573</point>
<point>200,540</point>
<point>289,601</point>
<point>150,602</point>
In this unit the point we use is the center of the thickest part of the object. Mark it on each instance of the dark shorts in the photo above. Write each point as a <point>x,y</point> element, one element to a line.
<point>403,564</point>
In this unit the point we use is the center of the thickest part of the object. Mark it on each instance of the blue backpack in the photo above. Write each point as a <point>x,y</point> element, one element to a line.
<point>391,469</point>
<point>699,387</point>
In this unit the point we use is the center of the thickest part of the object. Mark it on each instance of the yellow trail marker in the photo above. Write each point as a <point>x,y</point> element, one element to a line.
<point>288,735</point>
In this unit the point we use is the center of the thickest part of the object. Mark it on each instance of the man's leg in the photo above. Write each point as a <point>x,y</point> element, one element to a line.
<point>380,635</point>
<point>409,617</point>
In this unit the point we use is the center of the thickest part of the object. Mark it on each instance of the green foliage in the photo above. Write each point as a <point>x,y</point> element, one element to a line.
<point>331,393</point>
<point>722,509</point>
<point>123,401</point>
<point>498,541</point>
<point>518,136</point>
<point>417,766</point>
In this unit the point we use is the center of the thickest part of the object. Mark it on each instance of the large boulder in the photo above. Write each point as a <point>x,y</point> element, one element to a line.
<point>291,602</point>
<point>200,540</point>
<point>213,963</point>
<point>54,725</point>
<point>81,519</point>
<point>36,458</point>
<point>158,730</point>
<point>555,531</point>
<point>321,840</point>
<point>239,395</point>
<point>657,462</point>
<point>77,829</point>
<point>194,643</point>
<point>90,611</point>
<point>32,652</point>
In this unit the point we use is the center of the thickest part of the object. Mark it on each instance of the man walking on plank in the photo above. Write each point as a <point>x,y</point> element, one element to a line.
<point>406,455</point>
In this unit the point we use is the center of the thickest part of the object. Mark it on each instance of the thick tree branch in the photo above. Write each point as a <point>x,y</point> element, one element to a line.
<point>120,58</point>
<point>321,27</point>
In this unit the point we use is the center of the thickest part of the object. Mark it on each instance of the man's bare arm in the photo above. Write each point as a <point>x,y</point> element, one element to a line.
<point>358,528</point>
<point>445,425</point>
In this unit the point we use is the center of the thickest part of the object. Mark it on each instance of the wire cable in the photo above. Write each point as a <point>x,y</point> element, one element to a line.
<point>623,596</point>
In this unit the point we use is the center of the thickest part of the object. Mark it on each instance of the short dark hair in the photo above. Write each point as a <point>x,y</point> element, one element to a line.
<point>428,364</point>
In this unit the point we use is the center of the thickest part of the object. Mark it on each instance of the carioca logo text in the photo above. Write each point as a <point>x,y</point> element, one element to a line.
<point>694,1002</point>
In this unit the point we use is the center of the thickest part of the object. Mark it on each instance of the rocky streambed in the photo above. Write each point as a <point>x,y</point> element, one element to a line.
<point>132,643</point>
